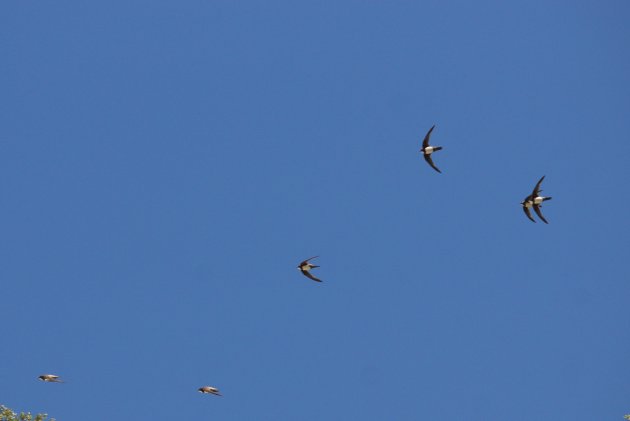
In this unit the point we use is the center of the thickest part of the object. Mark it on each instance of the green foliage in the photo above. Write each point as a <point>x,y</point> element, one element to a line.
<point>7,415</point>
<point>626,417</point>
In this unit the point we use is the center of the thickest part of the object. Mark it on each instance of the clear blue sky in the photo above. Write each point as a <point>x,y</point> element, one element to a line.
<point>165,166</point>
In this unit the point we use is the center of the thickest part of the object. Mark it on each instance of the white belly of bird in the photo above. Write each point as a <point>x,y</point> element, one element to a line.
<point>428,150</point>
<point>538,200</point>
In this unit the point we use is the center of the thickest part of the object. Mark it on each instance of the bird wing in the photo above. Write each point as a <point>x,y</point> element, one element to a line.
<point>427,157</point>
<point>528,213</point>
<point>539,213</point>
<point>306,261</point>
<point>425,142</point>
<point>537,188</point>
<point>308,275</point>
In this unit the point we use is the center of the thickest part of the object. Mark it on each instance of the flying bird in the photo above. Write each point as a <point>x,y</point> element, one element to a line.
<point>50,378</point>
<point>209,389</point>
<point>427,150</point>
<point>305,267</point>
<point>535,201</point>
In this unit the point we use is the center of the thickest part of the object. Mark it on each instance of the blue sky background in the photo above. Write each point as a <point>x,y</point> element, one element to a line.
<point>165,166</point>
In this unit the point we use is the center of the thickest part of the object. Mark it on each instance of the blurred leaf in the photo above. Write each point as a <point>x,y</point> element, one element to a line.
<point>8,415</point>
